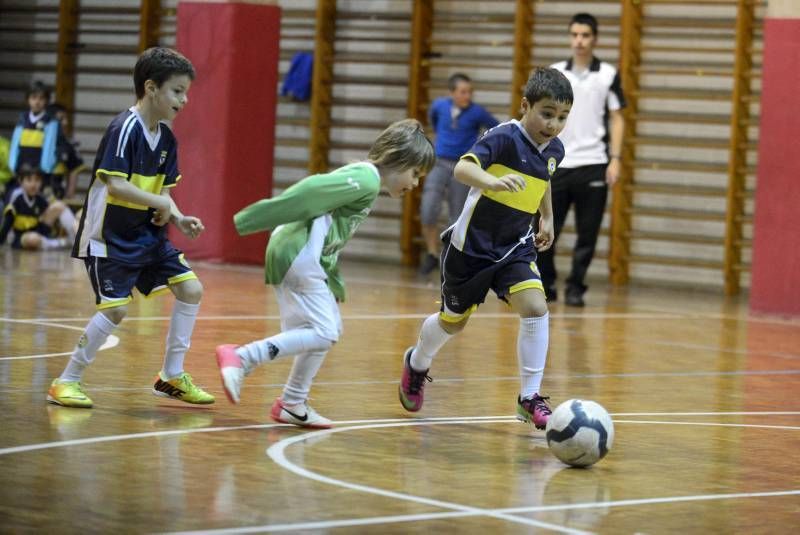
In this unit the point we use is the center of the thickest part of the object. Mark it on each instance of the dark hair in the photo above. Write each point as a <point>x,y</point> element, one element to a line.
<point>456,77</point>
<point>546,82</point>
<point>37,86</point>
<point>584,18</point>
<point>27,169</point>
<point>159,64</point>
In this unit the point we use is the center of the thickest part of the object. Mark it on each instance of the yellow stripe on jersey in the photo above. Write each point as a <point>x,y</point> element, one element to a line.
<point>31,138</point>
<point>25,222</point>
<point>526,200</point>
<point>106,172</point>
<point>174,183</point>
<point>149,184</point>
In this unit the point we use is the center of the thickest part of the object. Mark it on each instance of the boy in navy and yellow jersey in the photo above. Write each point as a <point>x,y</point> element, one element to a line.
<point>493,244</point>
<point>31,216</point>
<point>122,236</point>
<point>37,136</point>
<point>312,222</point>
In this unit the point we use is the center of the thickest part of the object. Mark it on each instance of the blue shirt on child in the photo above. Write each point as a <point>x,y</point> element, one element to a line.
<point>455,136</point>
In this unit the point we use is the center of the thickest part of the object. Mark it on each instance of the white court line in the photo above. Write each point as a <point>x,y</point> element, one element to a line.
<point>431,421</point>
<point>151,434</point>
<point>708,424</point>
<point>110,342</point>
<point>448,380</point>
<point>349,522</point>
<point>382,317</point>
<point>276,453</point>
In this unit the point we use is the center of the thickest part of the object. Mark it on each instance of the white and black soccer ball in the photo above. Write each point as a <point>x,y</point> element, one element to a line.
<point>580,432</point>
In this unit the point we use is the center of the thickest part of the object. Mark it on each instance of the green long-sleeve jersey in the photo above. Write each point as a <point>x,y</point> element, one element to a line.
<point>347,194</point>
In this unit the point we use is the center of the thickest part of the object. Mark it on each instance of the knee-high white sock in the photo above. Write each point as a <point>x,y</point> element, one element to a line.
<point>93,337</point>
<point>67,220</point>
<point>304,369</point>
<point>179,337</point>
<point>532,342</point>
<point>285,344</point>
<point>431,339</point>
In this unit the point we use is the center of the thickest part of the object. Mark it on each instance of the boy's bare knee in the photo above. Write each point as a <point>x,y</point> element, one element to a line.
<point>31,240</point>
<point>189,291</point>
<point>529,303</point>
<point>116,314</point>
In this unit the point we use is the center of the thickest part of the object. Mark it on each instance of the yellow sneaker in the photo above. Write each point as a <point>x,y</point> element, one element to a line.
<point>182,388</point>
<point>68,394</point>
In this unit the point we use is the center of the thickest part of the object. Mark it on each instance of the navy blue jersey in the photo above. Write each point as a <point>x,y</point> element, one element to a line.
<point>494,224</point>
<point>35,142</point>
<point>117,229</point>
<point>22,213</point>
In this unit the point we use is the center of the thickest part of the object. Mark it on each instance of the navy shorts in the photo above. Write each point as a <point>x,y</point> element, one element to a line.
<point>41,228</point>
<point>467,279</point>
<point>113,281</point>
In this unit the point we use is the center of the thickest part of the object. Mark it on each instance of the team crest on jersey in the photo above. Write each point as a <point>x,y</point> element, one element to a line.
<point>551,166</point>
<point>163,157</point>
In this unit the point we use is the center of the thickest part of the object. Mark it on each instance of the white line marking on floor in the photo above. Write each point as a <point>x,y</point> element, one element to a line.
<point>276,453</point>
<point>110,342</point>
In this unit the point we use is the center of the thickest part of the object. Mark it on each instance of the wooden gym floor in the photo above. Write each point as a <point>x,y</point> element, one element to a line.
<point>704,399</point>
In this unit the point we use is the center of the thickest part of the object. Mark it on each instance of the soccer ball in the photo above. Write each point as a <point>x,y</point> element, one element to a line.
<point>580,432</point>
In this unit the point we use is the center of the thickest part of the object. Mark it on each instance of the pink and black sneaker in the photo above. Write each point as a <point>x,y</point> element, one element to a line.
<point>412,384</point>
<point>534,410</point>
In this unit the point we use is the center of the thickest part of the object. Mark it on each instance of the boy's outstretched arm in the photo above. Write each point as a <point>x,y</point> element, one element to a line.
<point>307,199</point>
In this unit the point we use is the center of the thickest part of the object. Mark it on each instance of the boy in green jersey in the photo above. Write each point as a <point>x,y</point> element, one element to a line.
<point>311,222</point>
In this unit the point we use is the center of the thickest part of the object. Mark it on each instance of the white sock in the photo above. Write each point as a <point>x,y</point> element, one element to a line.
<point>54,243</point>
<point>532,342</point>
<point>93,337</point>
<point>179,337</point>
<point>431,339</point>
<point>67,220</point>
<point>304,369</point>
<point>281,345</point>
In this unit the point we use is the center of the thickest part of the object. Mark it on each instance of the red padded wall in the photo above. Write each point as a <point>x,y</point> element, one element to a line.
<point>775,286</point>
<point>226,133</point>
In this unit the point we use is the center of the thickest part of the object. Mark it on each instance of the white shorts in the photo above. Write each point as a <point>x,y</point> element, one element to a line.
<point>304,298</point>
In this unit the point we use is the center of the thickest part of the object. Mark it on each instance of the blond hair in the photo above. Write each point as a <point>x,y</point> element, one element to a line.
<point>402,146</point>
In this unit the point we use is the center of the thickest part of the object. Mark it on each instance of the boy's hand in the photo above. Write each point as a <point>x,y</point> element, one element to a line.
<point>545,234</point>
<point>508,182</point>
<point>162,212</point>
<point>191,226</point>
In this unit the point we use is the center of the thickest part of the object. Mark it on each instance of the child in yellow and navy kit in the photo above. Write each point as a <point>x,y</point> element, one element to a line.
<point>122,236</point>
<point>36,136</point>
<point>30,216</point>
<point>493,243</point>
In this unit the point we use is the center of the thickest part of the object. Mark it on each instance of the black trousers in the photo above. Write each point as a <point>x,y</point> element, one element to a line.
<point>586,189</point>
